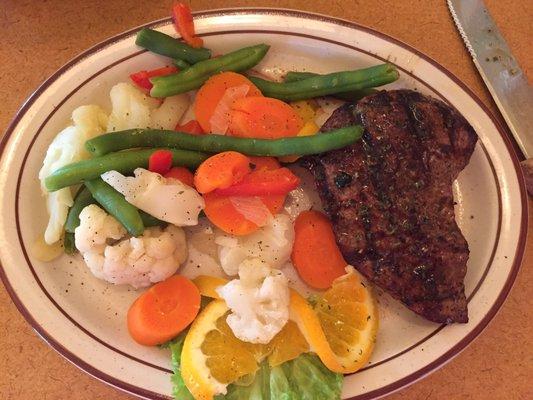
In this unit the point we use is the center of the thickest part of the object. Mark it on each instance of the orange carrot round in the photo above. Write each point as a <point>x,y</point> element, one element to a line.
<point>269,163</point>
<point>315,253</point>
<point>182,174</point>
<point>213,90</point>
<point>222,212</point>
<point>264,118</point>
<point>165,310</point>
<point>221,171</point>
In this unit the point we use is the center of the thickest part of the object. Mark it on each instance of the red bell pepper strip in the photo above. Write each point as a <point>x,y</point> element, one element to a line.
<point>160,161</point>
<point>142,78</point>
<point>192,127</point>
<point>181,14</point>
<point>263,182</point>
<point>182,174</point>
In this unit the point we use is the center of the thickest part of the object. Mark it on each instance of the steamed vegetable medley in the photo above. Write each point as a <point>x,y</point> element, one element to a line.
<point>186,188</point>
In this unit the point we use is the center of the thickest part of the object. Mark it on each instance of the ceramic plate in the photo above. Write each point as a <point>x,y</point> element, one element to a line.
<point>84,318</point>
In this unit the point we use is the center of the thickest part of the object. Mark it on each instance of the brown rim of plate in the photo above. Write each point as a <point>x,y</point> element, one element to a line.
<point>511,146</point>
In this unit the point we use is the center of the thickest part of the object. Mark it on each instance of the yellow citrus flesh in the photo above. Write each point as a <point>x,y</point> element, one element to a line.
<point>287,345</point>
<point>349,318</point>
<point>227,357</point>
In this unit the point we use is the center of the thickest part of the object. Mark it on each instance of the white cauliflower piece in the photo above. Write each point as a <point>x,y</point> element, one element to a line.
<point>68,147</point>
<point>272,244</point>
<point>170,112</point>
<point>95,229</point>
<point>259,302</point>
<point>167,199</point>
<point>140,261</point>
<point>57,205</point>
<point>132,108</point>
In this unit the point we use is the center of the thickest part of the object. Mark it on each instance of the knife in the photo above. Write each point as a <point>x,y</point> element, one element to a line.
<point>501,73</point>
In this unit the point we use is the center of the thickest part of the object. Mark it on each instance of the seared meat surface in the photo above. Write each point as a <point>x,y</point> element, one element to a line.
<point>389,197</point>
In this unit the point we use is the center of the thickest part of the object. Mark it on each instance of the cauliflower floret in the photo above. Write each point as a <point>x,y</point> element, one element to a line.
<point>140,261</point>
<point>272,244</point>
<point>95,229</point>
<point>166,199</point>
<point>259,302</point>
<point>67,147</point>
<point>170,112</point>
<point>131,108</point>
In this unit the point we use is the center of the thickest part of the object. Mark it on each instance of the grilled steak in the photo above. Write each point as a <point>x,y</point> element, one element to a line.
<point>389,197</point>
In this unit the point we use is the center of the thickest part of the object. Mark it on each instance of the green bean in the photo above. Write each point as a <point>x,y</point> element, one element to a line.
<point>69,243</point>
<point>82,199</point>
<point>125,162</point>
<point>150,220</point>
<point>181,64</point>
<point>293,76</point>
<point>300,145</point>
<point>323,85</point>
<point>115,204</point>
<point>194,76</point>
<point>161,43</point>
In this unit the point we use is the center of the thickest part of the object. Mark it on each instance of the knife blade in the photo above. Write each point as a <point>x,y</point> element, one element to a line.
<point>498,68</point>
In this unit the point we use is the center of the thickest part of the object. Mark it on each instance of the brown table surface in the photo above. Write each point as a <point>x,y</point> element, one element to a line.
<point>39,37</point>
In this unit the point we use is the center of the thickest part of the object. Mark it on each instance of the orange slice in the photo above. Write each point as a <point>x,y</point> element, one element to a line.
<point>341,329</point>
<point>348,316</point>
<point>212,357</point>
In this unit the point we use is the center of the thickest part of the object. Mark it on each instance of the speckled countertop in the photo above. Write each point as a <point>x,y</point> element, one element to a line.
<point>39,37</point>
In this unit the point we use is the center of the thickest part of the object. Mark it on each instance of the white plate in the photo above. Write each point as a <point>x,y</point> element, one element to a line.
<point>84,319</point>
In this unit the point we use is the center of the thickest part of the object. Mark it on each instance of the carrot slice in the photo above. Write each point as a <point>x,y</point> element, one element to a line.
<point>182,174</point>
<point>315,253</point>
<point>264,118</point>
<point>165,310</point>
<point>222,212</point>
<point>269,163</point>
<point>210,94</point>
<point>221,171</point>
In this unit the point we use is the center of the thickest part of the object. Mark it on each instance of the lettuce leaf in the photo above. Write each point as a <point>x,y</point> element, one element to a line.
<point>179,390</point>
<point>304,378</point>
